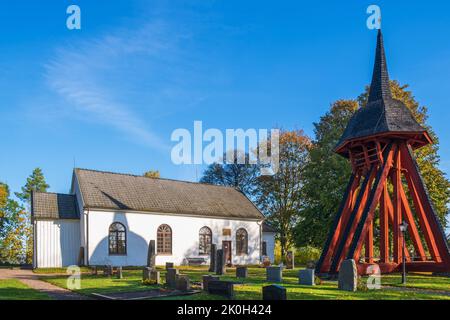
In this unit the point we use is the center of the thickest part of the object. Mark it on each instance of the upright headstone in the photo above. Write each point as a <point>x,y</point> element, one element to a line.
<point>171,277</point>
<point>274,292</point>
<point>290,260</point>
<point>266,261</point>
<point>108,271</point>
<point>119,274</point>
<point>220,262</point>
<point>274,274</point>
<point>223,288</point>
<point>94,271</point>
<point>212,259</point>
<point>169,265</point>
<point>206,279</point>
<point>348,276</point>
<point>306,277</point>
<point>151,254</point>
<point>146,274</point>
<point>182,282</point>
<point>241,272</point>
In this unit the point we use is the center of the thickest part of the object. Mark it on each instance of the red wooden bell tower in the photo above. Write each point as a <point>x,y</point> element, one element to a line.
<point>378,141</point>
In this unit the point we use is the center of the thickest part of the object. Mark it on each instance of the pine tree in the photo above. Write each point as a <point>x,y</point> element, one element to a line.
<point>35,182</point>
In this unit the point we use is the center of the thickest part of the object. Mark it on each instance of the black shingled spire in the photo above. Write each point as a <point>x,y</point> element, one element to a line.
<point>379,87</point>
<point>382,113</point>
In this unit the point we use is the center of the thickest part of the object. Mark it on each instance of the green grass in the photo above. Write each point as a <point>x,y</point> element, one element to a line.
<point>57,270</point>
<point>251,287</point>
<point>13,289</point>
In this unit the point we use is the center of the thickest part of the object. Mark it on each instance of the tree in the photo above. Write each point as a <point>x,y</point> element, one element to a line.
<point>13,229</point>
<point>4,195</point>
<point>152,174</point>
<point>327,173</point>
<point>240,176</point>
<point>279,196</point>
<point>35,182</point>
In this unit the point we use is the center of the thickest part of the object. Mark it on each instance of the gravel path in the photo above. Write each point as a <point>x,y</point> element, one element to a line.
<point>32,280</point>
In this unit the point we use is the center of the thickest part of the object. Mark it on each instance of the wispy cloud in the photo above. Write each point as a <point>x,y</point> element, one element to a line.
<point>102,79</point>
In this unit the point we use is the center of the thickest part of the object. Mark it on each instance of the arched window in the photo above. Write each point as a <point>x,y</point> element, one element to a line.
<point>205,239</point>
<point>164,239</point>
<point>117,239</point>
<point>241,241</point>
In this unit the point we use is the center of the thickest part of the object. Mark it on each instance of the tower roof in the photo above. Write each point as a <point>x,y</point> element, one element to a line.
<point>383,114</point>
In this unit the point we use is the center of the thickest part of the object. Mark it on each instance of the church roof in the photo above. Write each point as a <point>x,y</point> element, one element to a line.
<point>266,227</point>
<point>115,191</point>
<point>54,206</point>
<point>382,114</point>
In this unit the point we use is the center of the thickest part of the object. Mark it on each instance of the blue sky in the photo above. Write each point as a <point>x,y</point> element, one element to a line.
<point>108,96</point>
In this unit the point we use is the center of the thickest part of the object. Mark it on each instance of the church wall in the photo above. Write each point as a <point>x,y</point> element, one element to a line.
<point>57,243</point>
<point>142,227</point>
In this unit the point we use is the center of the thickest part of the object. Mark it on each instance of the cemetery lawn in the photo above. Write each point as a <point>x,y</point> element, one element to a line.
<point>13,289</point>
<point>420,286</point>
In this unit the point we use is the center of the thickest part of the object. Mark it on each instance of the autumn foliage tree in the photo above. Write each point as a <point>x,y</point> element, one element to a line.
<point>280,196</point>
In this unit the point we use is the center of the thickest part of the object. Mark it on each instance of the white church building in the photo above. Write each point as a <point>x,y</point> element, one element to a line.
<point>110,218</point>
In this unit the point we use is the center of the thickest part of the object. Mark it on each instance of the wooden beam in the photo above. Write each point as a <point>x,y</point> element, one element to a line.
<point>369,243</point>
<point>353,219</point>
<point>412,228</point>
<point>324,262</point>
<point>397,235</point>
<point>384,226</point>
<point>420,211</point>
<point>372,202</point>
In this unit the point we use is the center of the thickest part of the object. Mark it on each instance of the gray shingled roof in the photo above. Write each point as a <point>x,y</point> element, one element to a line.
<point>114,191</point>
<point>268,227</point>
<point>382,113</point>
<point>54,206</point>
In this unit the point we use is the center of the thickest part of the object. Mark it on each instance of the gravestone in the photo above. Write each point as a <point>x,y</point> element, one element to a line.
<point>155,277</point>
<point>290,260</point>
<point>151,254</point>
<point>171,277</point>
<point>119,273</point>
<point>169,265</point>
<point>206,279</point>
<point>220,262</point>
<point>108,271</point>
<point>94,271</point>
<point>212,259</point>
<point>182,282</point>
<point>348,276</point>
<point>266,262</point>
<point>146,273</point>
<point>220,287</point>
<point>241,272</point>
<point>306,277</point>
<point>311,264</point>
<point>274,292</point>
<point>274,274</point>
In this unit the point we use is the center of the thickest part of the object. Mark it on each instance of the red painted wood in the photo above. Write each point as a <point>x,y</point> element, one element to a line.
<point>384,226</point>
<point>397,235</point>
<point>369,244</point>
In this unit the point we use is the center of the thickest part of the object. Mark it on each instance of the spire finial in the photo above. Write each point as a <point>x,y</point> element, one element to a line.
<point>379,87</point>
